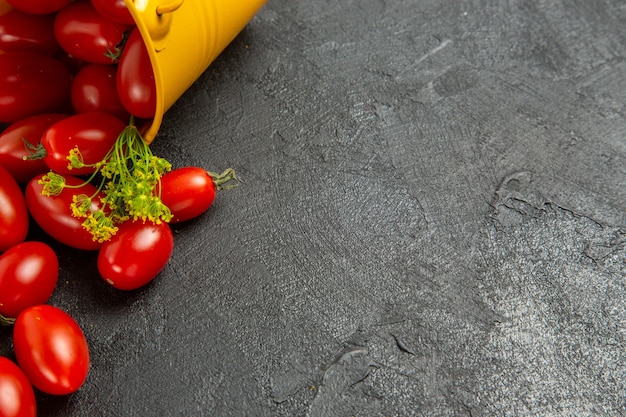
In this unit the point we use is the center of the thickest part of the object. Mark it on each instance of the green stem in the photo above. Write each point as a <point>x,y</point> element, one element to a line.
<point>226,180</point>
<point>6,321</point>
<point>34,151</point>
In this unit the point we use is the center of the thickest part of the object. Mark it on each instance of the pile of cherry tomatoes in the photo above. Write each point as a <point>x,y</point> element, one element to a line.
<point>74,74</point>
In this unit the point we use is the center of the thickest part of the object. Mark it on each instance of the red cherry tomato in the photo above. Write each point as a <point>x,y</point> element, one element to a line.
<point>13,212</point>
<point>39,6</point>
<point>25,32</point>
<point>54,214</point>
<point>115,10</point>
<point>94,134</point>
<point>28,275</point>
<point>95,89</point>
<point>86,34</point>
<point>187,192</point>
<point>135,79</point>
<point>135,254</point>
<point>17,397</point>
<point>31,84</point>
<point>13,149</point>
<point>51,349</point>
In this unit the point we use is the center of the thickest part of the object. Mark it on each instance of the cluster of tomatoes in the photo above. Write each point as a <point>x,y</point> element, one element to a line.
<point>74,75</point>
<point>87,54</point>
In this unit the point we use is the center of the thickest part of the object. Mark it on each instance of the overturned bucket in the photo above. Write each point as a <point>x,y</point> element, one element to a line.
<point>183,37</point>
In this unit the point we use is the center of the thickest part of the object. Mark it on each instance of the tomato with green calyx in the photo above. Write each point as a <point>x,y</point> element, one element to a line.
<point>94,88</point>
<point>190,191</point>
<point>18,138</point>
<point>17,397</point>
<point>54,214</point>
<point>25,32</point>
<point>29,272</point>
<point>84,33</point>
<point>71,146</point>
<point>31,84</point>
<point>13,212</point>
<point>136,85</point>
<point>51,349</point>
<point>136,254</point>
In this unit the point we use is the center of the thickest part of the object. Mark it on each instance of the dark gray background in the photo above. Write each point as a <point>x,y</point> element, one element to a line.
<point>431,222</point>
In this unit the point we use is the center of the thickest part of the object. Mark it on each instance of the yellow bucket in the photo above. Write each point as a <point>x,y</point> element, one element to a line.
<point>183,37</point>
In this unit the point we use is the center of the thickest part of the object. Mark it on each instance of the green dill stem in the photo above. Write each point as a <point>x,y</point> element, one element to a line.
<point>129,186</point>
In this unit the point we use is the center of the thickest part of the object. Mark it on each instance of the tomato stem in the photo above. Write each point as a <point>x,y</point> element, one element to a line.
<point>6,321</point>
<point>226,180</point>
<point>115,53</point>
<point>34,151</point>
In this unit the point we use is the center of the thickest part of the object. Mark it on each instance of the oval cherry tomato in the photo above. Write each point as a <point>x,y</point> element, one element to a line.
<point>13,149</point>
<point>115,10</point>
<point>51,349</point>
<point>28,275</point>
<point>94,88</point>
<point>187,192</point>
<point>17,397</point>
<point>94,134</point>
<point>86,34</point>
<point>25,32</point>
<point>13,212</point>
<point>54,214</point>
<point>135,79</point>
<point>135,254</point>
<point>39,6</point>
<point>31,84</point>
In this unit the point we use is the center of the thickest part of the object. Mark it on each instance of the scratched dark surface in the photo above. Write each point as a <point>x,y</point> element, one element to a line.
<point>431,222</point>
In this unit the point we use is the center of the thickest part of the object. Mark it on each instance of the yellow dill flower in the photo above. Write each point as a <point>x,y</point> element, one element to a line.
<point>100,226</point>
<point>53,184</point>
<point>75,159</point>
<point>81,205</point>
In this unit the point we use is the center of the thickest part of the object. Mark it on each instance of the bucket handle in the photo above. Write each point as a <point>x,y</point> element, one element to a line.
<point>158,24</point>
<point>170,7</point>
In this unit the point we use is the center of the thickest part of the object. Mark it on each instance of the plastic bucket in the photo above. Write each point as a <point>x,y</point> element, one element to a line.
<point>183,37</point>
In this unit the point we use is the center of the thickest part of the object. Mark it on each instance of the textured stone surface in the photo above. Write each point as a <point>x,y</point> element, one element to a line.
<point>431,222</point>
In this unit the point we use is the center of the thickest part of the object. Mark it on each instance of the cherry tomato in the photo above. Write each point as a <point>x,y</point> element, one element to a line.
<point>95,89</point>
<point>54,214</point>
<point>115,10</point>
<point>13,148</point>
<point>31,84</point>
<point>28,275</point>
<point>86,34</point>
<point>51,349</point>
<point>94,134</point>
<point>135,79</point>
<point>25,32</point>
<point>187,192</point>
<point>39,6</point>
<point>13,212</point>
<point>136,254</point>
<point>17,397</point>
